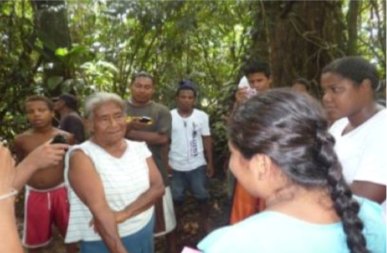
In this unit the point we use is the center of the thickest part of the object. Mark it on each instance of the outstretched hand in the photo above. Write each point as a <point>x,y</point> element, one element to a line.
<point>47,155</point>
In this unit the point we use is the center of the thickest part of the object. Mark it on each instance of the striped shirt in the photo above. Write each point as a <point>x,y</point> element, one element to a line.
<point>124,179</point>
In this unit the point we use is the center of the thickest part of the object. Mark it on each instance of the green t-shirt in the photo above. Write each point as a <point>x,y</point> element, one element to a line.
<point>161,123</point>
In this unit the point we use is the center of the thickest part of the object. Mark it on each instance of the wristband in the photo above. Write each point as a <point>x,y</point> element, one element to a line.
<point>12,193</point>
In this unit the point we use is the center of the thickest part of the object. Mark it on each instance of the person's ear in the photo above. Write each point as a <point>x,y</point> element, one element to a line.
<point>261,166</point>
<point>366,85</point>
<point>270,81</point>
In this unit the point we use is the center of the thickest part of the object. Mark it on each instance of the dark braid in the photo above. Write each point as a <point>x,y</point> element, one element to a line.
<point>292,130</point>
<point>345,205</point>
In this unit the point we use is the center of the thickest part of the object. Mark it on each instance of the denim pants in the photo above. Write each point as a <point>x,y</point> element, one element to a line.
<point>196,180</point>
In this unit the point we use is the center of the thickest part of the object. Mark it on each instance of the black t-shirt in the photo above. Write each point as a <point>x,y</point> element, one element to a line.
<point>73,124</point>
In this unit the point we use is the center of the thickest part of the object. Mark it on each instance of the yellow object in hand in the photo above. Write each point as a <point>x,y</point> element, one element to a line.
<point>141,119</point>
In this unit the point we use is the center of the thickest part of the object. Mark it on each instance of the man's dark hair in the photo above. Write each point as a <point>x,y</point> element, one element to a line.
<point>186,85</point>
<point>354,68</point>
<point>257,67</point>
<point>70,101</point>
<point>142,74</point>
<point>302,81</point>
<point>44,99</point>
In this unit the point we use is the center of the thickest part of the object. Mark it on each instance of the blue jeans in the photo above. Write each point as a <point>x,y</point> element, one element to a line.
<point>139,242</point>
<point>195,179</point>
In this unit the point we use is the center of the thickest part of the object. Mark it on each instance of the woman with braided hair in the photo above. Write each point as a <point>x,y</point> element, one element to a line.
<point>286,156</point>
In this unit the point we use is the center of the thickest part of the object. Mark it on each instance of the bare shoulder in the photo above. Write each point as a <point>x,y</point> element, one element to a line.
<point>20,138</point>
<point>81,166</point>
<point>77,154</point>
<point>78,158</point>
<point>21,143</point>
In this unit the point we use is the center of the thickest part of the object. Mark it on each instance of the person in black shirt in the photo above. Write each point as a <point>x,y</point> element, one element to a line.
<point>70,120</point>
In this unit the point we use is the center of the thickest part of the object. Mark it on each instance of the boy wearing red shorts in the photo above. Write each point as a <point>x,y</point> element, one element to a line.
<point>46,197</point>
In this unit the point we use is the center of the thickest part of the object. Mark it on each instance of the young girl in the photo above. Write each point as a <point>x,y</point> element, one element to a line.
<point>349,86</point>
<point>285,155</point>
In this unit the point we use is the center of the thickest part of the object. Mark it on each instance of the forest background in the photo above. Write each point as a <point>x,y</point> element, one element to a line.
<point>52,47</point>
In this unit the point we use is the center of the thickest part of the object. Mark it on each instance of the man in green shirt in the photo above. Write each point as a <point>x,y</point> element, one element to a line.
<point>151,122</point>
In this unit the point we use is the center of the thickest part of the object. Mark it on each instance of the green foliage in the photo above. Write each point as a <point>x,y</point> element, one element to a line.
<point>372,33</point>
<point>206,41</point>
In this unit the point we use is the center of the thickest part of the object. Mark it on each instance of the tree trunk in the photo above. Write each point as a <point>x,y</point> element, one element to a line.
<point>303,36</point>
<point>52,29</point>
<point>352,21</point>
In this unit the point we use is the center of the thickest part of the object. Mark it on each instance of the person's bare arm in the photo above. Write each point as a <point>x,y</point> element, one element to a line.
<point>8,231</point>
<point>148,198</point>
<point>150,138</point>
<point>369,190</point>
<point>42,157</point>
<point>164,157</point>
<point>158,137</point>
<point>85,180</point>
<point>207,145</point>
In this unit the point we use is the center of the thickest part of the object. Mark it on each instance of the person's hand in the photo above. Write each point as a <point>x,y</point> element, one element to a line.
<point>169,170</point>
<point>241,95</point>
<point>46,155</point>
<point>135,124</point>
<point>7,170</point>
<point>120,216</point>
<point>210,170</point>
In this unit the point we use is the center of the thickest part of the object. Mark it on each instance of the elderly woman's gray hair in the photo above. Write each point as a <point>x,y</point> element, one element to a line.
<point>99,98</point>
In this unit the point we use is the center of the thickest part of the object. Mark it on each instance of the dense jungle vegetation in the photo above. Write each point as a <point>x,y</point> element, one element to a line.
<point>51,47</point>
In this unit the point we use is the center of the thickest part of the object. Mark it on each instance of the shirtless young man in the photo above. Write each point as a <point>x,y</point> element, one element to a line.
<point>46,198</point>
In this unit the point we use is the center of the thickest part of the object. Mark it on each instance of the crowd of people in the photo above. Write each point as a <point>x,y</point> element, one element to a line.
<point>306,176</point>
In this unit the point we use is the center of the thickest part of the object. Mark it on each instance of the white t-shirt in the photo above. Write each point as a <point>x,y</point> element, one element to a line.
<point>124,179</point>
<point>362,151</point>
<point>187,151</point>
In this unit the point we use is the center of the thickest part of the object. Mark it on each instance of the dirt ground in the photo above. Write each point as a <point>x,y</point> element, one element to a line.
<point>188,234</point>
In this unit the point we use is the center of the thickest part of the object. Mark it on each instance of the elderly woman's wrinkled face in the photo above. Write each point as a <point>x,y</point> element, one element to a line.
<point>108,122</point>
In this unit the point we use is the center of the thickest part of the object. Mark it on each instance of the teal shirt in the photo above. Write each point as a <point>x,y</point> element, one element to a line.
<point>274,232</point>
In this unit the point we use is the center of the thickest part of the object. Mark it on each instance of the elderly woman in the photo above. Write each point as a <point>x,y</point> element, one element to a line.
<point>113,184</point>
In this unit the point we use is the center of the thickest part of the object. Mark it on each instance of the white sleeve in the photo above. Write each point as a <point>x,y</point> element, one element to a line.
<point>143,150</point>
<point>373,164</point>
<point>205,125</point>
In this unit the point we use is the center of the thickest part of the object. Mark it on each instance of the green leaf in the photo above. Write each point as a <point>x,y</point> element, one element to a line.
<point>62,51</point>
<point>108,65</point>
<point>53,81</point>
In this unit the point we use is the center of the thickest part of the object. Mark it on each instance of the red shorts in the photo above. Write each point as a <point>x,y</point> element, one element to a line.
<point>42,208</point>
